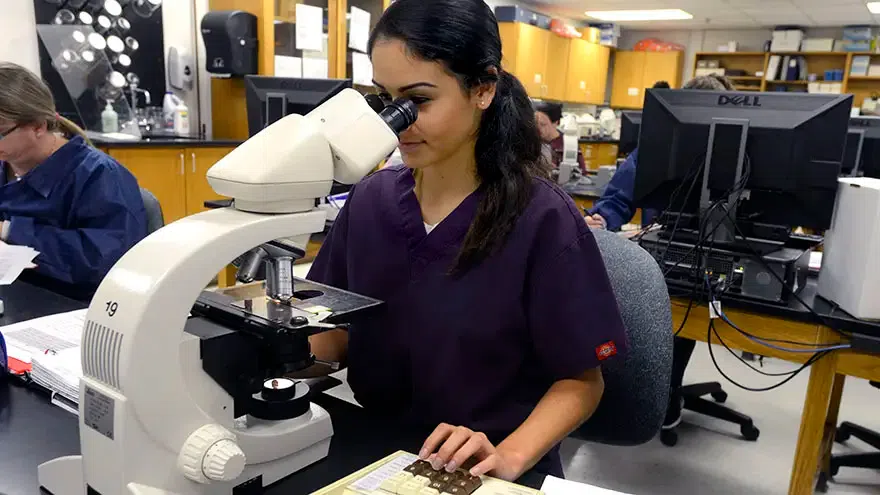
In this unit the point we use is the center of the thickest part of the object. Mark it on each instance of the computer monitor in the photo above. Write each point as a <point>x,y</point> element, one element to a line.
<point>869,164</point>
<point>789,146</point>
<point>630,122</point>
<point>271,98</point>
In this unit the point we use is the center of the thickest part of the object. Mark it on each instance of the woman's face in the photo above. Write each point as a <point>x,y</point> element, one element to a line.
<point>449,117</point>
<point>547,129</point>
<point>18,143</point>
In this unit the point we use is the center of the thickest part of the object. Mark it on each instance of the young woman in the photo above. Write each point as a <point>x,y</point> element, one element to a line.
<point>498,309</point>
<point>75,205</point>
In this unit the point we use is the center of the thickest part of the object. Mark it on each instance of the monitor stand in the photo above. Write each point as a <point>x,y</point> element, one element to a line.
<point>719,220</point>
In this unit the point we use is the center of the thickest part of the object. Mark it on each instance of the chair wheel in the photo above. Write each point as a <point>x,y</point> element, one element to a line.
<point>668,438</point>
<point>720,396</point>
<point>841,435</point>
<point>749,432</point>
<point>822,483</point>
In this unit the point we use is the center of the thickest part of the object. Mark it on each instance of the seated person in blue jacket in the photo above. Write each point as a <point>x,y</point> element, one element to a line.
<point>547,116</point>
<point>615,208</point>
<point>75,205</point>
<point>486,268</point>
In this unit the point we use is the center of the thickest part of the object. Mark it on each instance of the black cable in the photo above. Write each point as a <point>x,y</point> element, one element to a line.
<point>812,360</point>
<point>819,318</point>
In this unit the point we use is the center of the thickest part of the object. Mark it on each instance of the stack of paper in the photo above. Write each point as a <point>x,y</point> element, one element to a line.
<point>556,486</point>
<point>13,260</point>
<point>59,372</point>
<point>46,335</point>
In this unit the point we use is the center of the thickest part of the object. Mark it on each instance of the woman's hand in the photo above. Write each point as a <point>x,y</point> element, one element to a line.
<point>453,446</point>
<point>595,221</point>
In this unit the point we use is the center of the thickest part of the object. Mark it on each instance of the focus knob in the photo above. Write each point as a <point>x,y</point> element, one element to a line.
<point>224,461</point>
<point>211,454</point>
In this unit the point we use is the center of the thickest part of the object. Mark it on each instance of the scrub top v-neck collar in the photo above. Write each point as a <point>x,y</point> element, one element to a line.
<point>446,236</point>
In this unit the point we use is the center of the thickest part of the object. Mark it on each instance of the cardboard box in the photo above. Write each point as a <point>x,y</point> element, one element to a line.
<point>590,34</point>
<point>788,40</point>
<point>818,45</point>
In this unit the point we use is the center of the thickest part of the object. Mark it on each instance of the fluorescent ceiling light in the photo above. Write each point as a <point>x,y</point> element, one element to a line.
<point>642,15</point>
<point>874,7</point>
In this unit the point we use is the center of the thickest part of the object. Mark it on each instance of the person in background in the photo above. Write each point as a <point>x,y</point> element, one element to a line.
<point>661,85</point>
<point>59,195</point>
<point>548,116</point>
<point>615,208</point>
<point>486,268</point>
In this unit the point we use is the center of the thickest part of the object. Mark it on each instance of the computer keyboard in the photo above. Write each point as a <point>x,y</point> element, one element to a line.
<point>403,473</point>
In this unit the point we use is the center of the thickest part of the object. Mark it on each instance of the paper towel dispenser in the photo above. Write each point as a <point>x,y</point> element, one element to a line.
<point>230,42</point>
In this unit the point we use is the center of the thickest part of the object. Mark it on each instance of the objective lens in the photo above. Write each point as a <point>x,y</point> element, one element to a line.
<point>400,114</point>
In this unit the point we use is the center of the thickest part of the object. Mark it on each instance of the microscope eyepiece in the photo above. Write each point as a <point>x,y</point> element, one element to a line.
<point>400,114</point>
<point>375,102</point>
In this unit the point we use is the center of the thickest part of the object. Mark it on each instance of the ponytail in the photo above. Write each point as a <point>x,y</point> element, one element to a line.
<point>508,156</point>
<point>69,129</point>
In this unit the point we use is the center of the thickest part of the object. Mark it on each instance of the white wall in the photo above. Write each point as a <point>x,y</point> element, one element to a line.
<point>19,34</point>
<point>179,30</point>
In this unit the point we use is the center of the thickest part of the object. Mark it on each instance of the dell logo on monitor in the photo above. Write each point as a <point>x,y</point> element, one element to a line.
<point>739,101</point>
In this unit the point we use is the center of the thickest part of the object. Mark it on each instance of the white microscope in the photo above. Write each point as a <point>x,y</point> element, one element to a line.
<point>184,398</point>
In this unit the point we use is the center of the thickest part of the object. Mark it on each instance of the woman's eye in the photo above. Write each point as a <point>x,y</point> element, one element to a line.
<point>418,100</point>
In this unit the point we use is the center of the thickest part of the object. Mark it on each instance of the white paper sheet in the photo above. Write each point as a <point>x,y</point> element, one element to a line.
<point>14,260</point>
<point>309,27</point>
<point>359,30</point>
<point>315,68</point>
<point>556,486</point>
<point>362,69</point>
<point>53,333</point>
<point>288,66</point>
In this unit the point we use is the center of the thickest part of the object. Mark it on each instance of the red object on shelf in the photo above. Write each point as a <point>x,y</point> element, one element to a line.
<point>656,45</point>
<point>559,27</point>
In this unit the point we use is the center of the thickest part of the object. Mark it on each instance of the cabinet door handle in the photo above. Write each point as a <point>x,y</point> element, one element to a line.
<point>182,164</point>
<point>193,155</point>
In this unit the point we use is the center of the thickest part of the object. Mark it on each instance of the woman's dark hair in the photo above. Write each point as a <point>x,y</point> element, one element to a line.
<point>661,85</point>
<point>553,110</point>
<point>463,36</point>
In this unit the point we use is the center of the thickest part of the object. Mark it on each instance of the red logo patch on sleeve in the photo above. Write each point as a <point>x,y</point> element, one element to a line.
<point>606,350</point>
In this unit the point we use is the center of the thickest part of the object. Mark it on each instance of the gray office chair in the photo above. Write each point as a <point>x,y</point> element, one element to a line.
<point>155,219</point>
<point>637,387</point>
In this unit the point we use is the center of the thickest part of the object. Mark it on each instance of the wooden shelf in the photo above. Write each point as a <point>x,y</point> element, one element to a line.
<point>864,78</point>
<point>747,88</point>
<point>744,78</point>
<point>730,54</point>
<point>796,83</point>
<point>811,54</point>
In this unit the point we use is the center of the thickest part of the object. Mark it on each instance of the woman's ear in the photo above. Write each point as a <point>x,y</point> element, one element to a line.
<point>484,92</point>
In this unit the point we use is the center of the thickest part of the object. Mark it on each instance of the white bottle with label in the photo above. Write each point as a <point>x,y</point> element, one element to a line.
<point>109,119</point>
<point>169,107</point>
<point>181,119</point>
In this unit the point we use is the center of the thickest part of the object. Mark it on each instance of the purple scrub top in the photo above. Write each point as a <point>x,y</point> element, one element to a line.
<point>478,349</point>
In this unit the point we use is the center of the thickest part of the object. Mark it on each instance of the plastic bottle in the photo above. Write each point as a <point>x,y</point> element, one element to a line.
<point>181,119</point>
<point>169,106</point>
<point>109,119</point>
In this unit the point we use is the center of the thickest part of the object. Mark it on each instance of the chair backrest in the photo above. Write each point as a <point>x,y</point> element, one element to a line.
<point>636,388</point>
<point>155,219</point>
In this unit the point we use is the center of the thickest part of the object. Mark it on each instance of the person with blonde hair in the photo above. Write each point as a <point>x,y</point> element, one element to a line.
<point>59,195</point>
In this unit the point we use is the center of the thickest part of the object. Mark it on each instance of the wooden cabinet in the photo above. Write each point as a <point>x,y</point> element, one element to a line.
<point>197,188</point>
<point>587,76</point>
<point>524,54</point>
<point>162,171</point>
<point>558,67</point>
<point>176,176</point>
<point>636,71</point>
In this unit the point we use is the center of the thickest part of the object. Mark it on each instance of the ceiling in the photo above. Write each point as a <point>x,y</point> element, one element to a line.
<point>718,14</point>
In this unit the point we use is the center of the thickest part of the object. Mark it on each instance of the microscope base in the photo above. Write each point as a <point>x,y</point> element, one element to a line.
<point>64,475</point>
